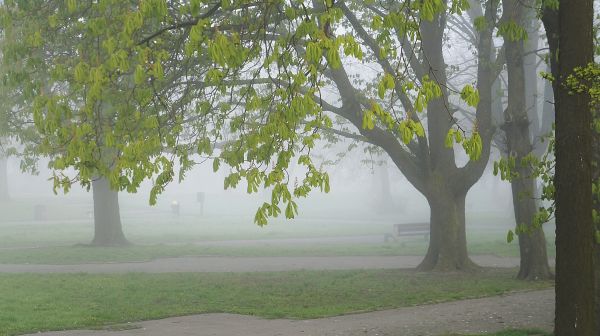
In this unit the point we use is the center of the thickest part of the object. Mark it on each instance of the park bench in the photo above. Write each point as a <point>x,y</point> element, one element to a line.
<point>408,229</point>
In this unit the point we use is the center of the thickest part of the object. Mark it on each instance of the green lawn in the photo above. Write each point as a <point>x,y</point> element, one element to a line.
<point>33,302</point>
<point>520,332</point>
<point>83,254</point>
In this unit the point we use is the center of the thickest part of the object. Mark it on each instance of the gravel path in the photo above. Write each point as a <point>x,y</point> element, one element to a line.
<point>247,264</point>
<point>518,310</point>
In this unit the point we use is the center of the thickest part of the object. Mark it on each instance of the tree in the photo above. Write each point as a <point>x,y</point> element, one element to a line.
<point>532,242</point>
<point>519,140</point>
<point>428,161</point>
<point>571,27</point>
<point>121,74</point>
<point>78,89</point>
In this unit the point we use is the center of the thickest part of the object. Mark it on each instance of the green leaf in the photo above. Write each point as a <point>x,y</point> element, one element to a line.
<point>480,23</point>
<point>291,210</point>
<point>449,142</point>
<point>259,218</point>
<point>470,95</point>
<point>71,6</point>
<point>510,236</point>
<point>512,31</point>
<point>368,122</point>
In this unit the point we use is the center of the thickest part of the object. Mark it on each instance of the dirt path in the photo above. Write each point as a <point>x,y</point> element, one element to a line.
<point>247,264</point>
<point>517,310</point>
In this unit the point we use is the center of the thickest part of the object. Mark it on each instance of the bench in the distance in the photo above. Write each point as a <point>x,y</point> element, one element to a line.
<point>409,229</point>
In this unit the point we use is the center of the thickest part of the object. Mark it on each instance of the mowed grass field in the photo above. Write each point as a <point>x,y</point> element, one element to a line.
<point>39,302</point>
<point>33,302</point>
<point>157,233</point>
<point>509,332</point>
<point>83,254</point>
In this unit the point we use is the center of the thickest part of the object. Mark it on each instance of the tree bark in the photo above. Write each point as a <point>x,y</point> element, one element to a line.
<point>448,240</point>
<point>107,219</point>
<point>4,194</point>
<point>530,59</point>
<point>427,163</point>
<point>532,241</point>
<point>596,205</point>
<point>571,28</point>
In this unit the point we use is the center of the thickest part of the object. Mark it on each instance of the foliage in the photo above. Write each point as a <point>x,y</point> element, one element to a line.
<point>583,80</point>
<point>128,90</point>
<point>512,31</point>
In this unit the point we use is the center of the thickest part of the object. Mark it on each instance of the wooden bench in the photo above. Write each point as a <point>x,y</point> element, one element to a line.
<point>408,229</point>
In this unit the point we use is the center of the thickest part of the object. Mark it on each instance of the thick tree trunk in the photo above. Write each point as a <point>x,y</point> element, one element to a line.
<point>532,242</point>
<point>107,218</point>
<point>596,202</point>
<point>597,275</point>
<point>571,28</point>
<point>530,59</point>
<point>597,272</point>
<point>4,194</point>
<point>448,240</point>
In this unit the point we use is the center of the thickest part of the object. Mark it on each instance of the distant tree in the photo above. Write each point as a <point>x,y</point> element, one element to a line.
<point>94,96</point>
<point>519,148</point>
<point>516,143</point>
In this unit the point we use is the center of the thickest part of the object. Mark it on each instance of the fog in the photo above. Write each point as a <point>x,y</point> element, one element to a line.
<point>357,205</point>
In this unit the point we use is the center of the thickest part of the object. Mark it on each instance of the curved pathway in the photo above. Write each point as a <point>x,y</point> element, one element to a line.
<point>517,310</point>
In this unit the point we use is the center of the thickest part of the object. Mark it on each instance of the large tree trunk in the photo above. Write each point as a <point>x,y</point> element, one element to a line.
<point>530,59</point>
<point>532,242</point>
<point>597,272</point>
<point>596,202</point>
<point>107,218</point>
<point>4,194</point>
<point>571,28</point>
<point>448,240</point>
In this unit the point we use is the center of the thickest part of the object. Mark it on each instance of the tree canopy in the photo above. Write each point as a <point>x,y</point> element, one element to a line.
<point>124,89</point>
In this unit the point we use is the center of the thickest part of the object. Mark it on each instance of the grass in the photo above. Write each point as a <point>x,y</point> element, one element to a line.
<point>160,234</point>
<point>82,254</point>
<point>69,221</point>
<point>33,302</point>
<point>512,332</point>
